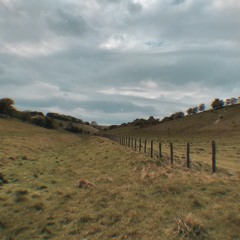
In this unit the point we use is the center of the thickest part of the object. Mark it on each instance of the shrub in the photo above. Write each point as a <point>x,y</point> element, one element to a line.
<point>64,117</point>
<point>166,119</point>
<point>113,127</point>
<point>43,121</point>
<point>178,115</point>
<point>73,129</point>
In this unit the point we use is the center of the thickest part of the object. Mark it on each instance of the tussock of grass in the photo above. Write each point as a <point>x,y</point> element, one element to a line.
<point>188,228</point>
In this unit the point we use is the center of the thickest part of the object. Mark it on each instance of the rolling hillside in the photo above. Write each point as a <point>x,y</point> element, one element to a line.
<point>220,122</point>
<point>58,185</point>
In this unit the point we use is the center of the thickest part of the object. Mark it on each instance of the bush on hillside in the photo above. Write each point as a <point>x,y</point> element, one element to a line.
<point>166,119</point>
<point>26,116</point>
<point>139,122</point>
<point>74,129</point>
<point>64,117</point>
<point>178,115</point>
<point>43,121</point>
<point>152,121</point>
<point>113,127</point>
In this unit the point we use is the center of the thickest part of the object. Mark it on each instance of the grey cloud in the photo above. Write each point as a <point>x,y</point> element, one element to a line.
<point>182,46</point>
<point>116,107</point>
<point>178,1</point>
<point>102,107</point>
<point>65,23</point>
<point>134,7</point>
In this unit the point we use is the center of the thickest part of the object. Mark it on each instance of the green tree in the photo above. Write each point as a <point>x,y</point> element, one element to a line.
<point>190,111</point>
<point>217,103</point>
<point>6,106</point>
<point>202,107</point>
<point>195,110</point>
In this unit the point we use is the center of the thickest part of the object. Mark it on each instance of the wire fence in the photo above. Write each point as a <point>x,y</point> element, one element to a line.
<point>225,155</point>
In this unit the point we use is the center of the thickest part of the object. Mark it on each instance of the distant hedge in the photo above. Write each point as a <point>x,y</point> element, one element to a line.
<point>64,117</point>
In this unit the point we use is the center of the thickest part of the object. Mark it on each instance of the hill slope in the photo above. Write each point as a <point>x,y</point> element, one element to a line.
<point>64,186</point>
<point>224,122</point>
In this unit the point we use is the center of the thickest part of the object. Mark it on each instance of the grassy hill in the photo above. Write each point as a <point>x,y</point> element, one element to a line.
<point>220,122</point>
<point>57,185</point>
<point>222,126</point>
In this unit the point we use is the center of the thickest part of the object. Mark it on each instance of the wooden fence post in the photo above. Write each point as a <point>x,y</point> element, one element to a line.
<point>188,155</point>
<point>140,144</point>
<point>171,152</point>
<point>151,148</point>
<point>145,146</point>
<point>135,146</point>
<point>160,151</point>
<point>213,156</point>
<point>129,142</point>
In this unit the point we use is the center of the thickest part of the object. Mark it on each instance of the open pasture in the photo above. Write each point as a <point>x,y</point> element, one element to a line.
<point>66,186</point>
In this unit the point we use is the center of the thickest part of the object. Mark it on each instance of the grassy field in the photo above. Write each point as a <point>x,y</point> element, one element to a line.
<point>64,186</point>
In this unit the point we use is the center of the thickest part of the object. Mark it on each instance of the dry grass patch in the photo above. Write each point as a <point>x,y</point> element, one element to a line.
<point>189,227</point>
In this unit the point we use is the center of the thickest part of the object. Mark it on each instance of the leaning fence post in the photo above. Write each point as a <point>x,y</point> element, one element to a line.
<point>213,156</point>
<point>160,151</point>
<point>151,148</point>
<point>171,152</point>
<point>188,155</point>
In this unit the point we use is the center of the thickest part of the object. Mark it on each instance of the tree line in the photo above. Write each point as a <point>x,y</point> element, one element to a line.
<point>216,104</point>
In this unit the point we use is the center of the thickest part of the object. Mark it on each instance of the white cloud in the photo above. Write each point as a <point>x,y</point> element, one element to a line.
<point>226,5</point>
<point>149,84</point>
<point>146,3</point>
<point>44,48</point>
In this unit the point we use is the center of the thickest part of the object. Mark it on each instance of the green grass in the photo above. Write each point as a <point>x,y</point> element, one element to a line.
<point>132,197</point>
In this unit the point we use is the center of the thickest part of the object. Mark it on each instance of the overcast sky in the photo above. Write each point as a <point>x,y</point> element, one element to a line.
<point>113,61</point>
